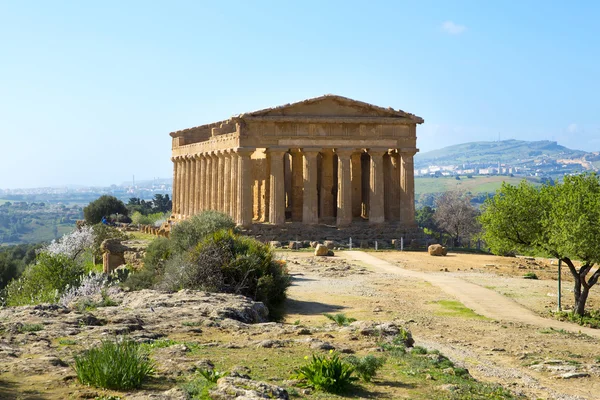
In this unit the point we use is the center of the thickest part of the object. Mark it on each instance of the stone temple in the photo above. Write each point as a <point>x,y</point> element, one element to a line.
<point>328,166</point>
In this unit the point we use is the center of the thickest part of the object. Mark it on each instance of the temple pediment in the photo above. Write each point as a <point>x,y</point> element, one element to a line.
<point>331,106</point>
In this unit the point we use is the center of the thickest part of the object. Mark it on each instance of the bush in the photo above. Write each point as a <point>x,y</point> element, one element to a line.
<point>102,207</point>
<point>329,374</point>
<point>157,254</point>
<point>121,365</point>
<point>367,366</point>
<point>44,281</point>
<point>150,219</point>
<point>530,275</point>
<point>186,234</point>
<point>225,262</point>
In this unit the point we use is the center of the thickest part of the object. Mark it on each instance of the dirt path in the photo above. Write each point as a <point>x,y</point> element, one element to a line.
<point>483,301</point>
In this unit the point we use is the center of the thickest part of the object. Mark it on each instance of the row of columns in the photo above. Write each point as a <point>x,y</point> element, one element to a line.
<point>222,180</point>
<point>349,190</point>
<point>217,180</point>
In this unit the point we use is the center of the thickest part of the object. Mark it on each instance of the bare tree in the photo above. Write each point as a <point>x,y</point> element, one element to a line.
<point>456,216</point>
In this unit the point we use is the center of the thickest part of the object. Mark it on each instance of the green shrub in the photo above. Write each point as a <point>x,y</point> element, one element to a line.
<point>340,319</point>
<point>530,275</point>
<point>157,254</point>
<point>366,367</point>
<point>150,219</point>
<point>186,234</point>
<point>120,365</point>
<point>44,281</point>
<point>330,374</point>
<point>226,262</point>
<point>102,207</point>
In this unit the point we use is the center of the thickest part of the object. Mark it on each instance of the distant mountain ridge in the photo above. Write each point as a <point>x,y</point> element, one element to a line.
<point>514,152</point>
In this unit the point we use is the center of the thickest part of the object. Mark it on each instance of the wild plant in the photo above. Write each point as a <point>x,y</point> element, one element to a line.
<point>329,374</point>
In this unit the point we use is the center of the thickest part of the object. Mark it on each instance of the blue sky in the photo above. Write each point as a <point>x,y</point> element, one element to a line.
<point>90,90</point>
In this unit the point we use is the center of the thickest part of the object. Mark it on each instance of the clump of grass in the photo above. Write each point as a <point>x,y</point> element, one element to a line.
<point>30,328</point>
<point>530,275</point>
<point>366,367</point>
<point>119,365</point>
<point>329,374</point>
<point>67,342</point>
<point>341,319</point>
<point>419,350</point>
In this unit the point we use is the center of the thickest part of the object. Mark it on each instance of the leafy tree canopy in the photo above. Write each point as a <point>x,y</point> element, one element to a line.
<point>561,221</point>
<point>103,207</point>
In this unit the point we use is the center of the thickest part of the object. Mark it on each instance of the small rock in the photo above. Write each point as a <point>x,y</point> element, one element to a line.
<point>574,375</point>
<point>321,250</point>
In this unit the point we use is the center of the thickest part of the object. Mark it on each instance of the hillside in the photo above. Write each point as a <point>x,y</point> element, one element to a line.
<point>516,152</point>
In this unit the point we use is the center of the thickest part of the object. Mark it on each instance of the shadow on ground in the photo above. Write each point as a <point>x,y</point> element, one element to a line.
<point>309,307</point>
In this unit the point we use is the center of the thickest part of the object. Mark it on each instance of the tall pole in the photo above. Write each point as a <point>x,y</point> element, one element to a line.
<point>559,273</point>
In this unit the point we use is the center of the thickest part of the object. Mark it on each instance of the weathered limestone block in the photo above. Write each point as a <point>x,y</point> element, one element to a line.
<point>294,245</point>
<point>113,254</point>
<point>330,244</point>
<point>321,250</point>
<point>437,250</point>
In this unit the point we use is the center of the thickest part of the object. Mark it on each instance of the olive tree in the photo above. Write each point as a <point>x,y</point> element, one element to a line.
<point>103,206</point>
<point>561,221</point>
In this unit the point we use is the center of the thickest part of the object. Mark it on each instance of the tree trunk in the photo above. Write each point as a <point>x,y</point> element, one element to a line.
<point>580,302</point>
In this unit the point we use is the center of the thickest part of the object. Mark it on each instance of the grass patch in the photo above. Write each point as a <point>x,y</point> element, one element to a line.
<point>191,323</point>
<point>67,342</point>
<point>119,365</point>
<point>30,328</point>
<point>453,308</point>
<point>530,275</point>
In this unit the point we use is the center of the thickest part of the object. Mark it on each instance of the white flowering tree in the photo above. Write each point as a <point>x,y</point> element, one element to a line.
<point>72,244</point>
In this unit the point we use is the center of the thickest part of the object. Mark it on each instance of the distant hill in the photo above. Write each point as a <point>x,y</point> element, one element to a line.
<point>514,152</point>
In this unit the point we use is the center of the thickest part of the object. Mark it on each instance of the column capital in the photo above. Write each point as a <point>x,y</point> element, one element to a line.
<point>311,150</point>
<point>344,152</point>
<point>244,150</point>
<point>377,151</point>
<point>197,156</point>
<point>276,150</point>
<point>173,159</point>
<point>295,151</point>
<point>408,151</point>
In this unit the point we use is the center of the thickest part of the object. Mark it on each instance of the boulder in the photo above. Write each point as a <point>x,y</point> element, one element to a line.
<point>330,244</point>
<point>275,244</point>
<point>294,245</point>
<point>321,250</point>
<point>437,250</point>
<point>240,388</point>
<point>314,244</point>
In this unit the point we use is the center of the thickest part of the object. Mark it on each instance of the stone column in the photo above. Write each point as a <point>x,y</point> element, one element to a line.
<point>180,184</point>
<point>310,206</point>
<point>394,186</point>
<point>214,177</point>
<point>206,178</point>
<point>344,198</point>
<point>226,182</point>
<point>276,186</point>
<point>327,201</point>
<point>407,181</point>
<point>175,186</point>
<point>376,199</point>
<point>186,187</point>
<point>234,186</point>
<point>221,181</point>
<point>356,185</point>
<point>297,185</point>
<point>198,187</point>
<point>244,186</point>
<point>192,187</point>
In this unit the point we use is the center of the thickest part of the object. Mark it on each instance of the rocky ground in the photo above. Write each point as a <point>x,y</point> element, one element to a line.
<point>188,331</point>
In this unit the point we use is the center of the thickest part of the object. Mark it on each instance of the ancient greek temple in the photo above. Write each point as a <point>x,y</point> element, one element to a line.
<point>328,160</point>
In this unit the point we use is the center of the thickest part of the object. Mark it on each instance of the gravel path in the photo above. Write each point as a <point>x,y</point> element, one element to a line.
<point>483,301</point>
